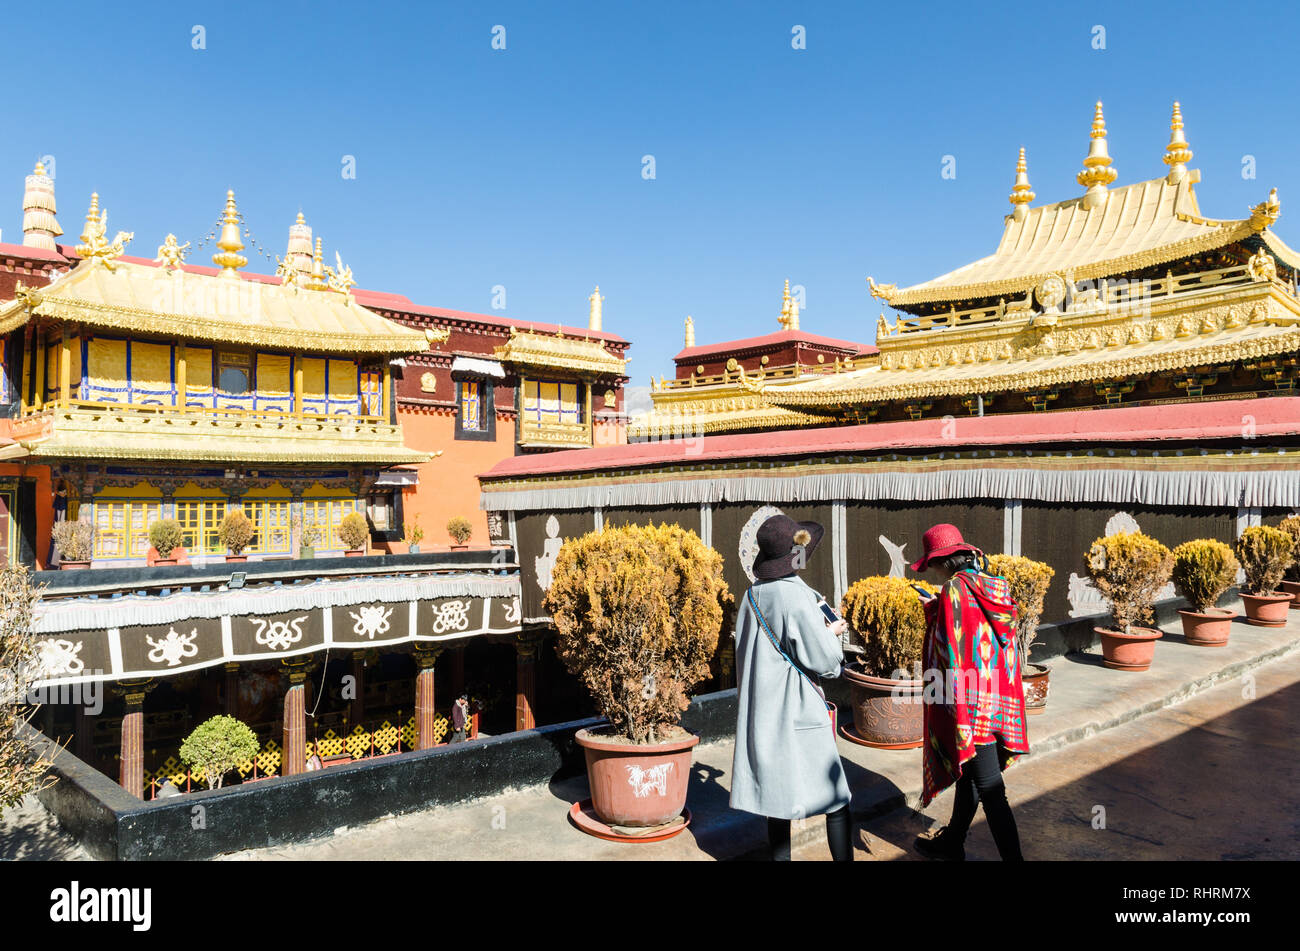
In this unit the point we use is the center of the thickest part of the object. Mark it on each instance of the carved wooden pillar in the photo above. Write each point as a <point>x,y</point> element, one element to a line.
<point>294,743</point>
<point>357,705</point>
<point>526,649</point>
<point>231,690</point>
<point>131,774</point>
<point>425,714</point>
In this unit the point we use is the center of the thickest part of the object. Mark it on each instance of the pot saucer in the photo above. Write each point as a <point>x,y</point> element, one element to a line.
<point>847,731</point>
<point>584,817</point>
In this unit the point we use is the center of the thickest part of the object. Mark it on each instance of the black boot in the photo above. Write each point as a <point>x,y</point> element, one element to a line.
<point>939,847</point>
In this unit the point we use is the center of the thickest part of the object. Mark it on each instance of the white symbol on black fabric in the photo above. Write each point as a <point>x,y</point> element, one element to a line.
<point>173,647</point>
<point>60,657</point>
<point>451,616</point>
<point>897,563</point>
<point>512,611</point>
<point>545,562</point>
<point>643,781</point>
<point>371,621</point>
<point>278,635</point>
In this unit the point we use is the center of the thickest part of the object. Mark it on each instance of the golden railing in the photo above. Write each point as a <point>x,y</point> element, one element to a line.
<point>387,739</point>
<point>1088,295</point>
<point>150,409</point>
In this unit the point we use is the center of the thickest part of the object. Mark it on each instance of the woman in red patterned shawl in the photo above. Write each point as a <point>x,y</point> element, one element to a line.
<point>974,700</point>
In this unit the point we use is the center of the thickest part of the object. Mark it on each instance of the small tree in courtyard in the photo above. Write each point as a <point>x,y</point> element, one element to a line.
<point>22,769</point>
<point>1029,582</point>
<point>217,746</point>
<point>638,610</point>
<point>1129,569</point>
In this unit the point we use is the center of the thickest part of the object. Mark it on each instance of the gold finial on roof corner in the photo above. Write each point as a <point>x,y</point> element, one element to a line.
<point>1177,153</point>
<point>95,245</point>
<point>230,260</point>
<point>340,280</point>
<point>690,331</point>
<point>1266,213</point>
<point>170,254</point>
<point>784,319</point>
<point>594,316</point>
<point>316,281</point>
<point>1097,172</point>
<point>1021,193</point>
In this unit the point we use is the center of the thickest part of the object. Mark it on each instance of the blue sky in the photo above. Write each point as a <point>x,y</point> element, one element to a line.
<point>523,167</point>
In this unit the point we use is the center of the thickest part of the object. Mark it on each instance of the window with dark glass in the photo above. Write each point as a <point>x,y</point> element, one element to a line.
<point>234,373</point>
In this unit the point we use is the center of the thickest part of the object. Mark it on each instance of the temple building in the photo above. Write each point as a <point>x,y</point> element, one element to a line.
<point>1121,296</point>
<point>718,387</point>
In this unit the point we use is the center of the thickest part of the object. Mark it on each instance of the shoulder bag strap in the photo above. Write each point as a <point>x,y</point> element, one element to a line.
<point>762,622</point>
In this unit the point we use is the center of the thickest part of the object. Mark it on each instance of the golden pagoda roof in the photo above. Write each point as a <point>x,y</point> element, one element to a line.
<point>140,298</point>
<point>1135,226</point>
<point>529,348</point>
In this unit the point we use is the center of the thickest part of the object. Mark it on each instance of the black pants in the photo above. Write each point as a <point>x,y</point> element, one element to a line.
<point>981,782</point>
<point>838,835</point>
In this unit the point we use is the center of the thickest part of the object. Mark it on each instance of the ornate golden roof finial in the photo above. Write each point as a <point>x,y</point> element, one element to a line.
<point>1177,152</point>
<point>690,331</point>
<point>95,246</point>
<point>317,280</point>
<point>39,225</point>
<point>298,253</point>
<point>340,280</point>
<point>792,323</point>
<point>1265,213</point>
<point>1021,193</point>
<point>1097,173</point>
<point>594,317</point>
<point>170,254</point>
<point>230,260</point>
<point>784,319</point>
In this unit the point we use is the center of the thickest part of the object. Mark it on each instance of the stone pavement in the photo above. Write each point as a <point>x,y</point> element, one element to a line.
<point>1086,700</point>
<point>1246,747</point>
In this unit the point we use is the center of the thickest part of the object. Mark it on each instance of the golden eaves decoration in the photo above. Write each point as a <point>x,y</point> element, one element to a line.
<point>95,246</point>
<point>554,351</point>
<point>138,298</point>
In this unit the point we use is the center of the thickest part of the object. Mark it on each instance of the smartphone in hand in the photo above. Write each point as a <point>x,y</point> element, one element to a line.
<point>828,612</point>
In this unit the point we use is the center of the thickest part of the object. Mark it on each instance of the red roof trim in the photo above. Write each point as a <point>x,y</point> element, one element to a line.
<point>775,341</point>
<point>22,251</point>
<point>1273,416</point>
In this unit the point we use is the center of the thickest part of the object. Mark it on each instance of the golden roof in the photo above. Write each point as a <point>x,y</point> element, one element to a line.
<point>138,298</point>
<point>529,348</point>
<point>1137,226</point>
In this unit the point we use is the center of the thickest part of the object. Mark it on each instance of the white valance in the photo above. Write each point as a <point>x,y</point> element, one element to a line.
<point>478,367</point>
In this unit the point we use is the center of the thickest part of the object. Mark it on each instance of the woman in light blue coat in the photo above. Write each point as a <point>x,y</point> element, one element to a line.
<point>786,764</point>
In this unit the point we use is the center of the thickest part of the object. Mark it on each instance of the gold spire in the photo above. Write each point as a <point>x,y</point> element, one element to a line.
<point>39,225</point>
<point>594,317</point>
<point>1021,193</point>
<point>793,322</point>
<point>784,319</point>
<point>1097,173</point>
<point>690,331</point>
<point>1177,152</point>
<point>317,280</point>
<point>298,252</point>
<point>95,245</point>
<point>230,260</point>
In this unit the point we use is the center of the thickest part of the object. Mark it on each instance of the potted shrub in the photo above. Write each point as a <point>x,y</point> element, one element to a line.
<point>1128,568</point>
<point>637,610</point>
<point>413,534</point>
<point>75,542</point>
<point>236,533</point>
<point>1290,582</point>
<point>884,683</point>
<point>354,532</point>
<point>1029,582</point>
<point>309,534</point>
<point>166,535</point>
<point>1203,570</point>
<point>1265,553</point>
<point>217,746</point>
<point>460,530</point>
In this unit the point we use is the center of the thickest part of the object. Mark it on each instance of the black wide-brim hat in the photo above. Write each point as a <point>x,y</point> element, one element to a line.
<point>779,541</point>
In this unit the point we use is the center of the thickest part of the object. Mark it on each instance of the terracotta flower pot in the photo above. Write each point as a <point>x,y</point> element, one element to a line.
<point>354,552</point>
<point>73,565</point>
<point>1035,678</point>
<point>1210,629</point>
<point>887,714</point>
<point>161,562</point>
<point>460,548</point>
<point>1266,610</point>
<point>236,558</point>
<point>1132,651</point>
<point>1292,588</point>
<point>637,785</point>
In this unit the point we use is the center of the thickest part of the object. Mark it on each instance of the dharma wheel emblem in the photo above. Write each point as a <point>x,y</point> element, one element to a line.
<point>1050,292</point>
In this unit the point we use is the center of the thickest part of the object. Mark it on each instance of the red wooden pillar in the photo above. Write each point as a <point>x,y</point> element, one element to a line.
<point>425,712</point>
<point>231,690</point>
<point>526,648</point>
<point>131,775</point>
<point>294,744</point>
